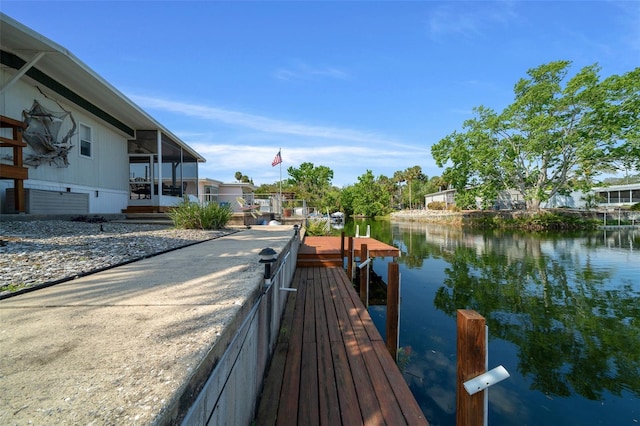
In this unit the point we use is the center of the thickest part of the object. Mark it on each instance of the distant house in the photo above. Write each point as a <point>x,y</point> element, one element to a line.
<point>238,195</point>
<point>446,197</point>
<point>209,190</point>
<point>618,195</point>
<point>607,196</point>
<point>505,199</point>
<point>85,148</point>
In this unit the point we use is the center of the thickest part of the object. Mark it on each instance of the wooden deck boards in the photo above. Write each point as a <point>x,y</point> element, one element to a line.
<point>325,245</point>
<point>325,251</point>
<point>331,366</point>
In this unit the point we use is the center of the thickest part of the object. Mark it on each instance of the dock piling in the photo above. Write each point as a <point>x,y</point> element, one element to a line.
<point>363,276</point>
<point>472,356</point>
<point>393,308</point>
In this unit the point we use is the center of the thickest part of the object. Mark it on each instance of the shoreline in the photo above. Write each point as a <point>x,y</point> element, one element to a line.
<point>541,220</point>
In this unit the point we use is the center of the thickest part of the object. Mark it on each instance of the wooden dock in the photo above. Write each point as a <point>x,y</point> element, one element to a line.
<point>331,366</point>
<point>325,251</point>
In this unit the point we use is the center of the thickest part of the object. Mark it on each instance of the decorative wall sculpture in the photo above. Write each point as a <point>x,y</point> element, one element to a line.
<point>41,134</point>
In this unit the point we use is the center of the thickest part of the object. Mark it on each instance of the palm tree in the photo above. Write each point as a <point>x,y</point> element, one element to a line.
<point>411,174</point>
<point>398,178</point>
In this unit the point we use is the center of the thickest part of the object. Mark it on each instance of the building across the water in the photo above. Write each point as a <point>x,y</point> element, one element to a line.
<point>618,195</point>
<point>606,197</point>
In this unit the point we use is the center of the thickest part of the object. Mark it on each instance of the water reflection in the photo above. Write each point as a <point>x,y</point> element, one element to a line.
<point>562,310</point>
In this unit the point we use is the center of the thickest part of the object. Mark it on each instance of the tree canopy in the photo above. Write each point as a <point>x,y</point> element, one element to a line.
<point>557,135</point>
<point>242,178</point>
<point>368,197</point>
<point>311,182</point>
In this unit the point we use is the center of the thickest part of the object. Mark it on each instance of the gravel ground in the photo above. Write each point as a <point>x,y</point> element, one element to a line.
<point>34,253</point>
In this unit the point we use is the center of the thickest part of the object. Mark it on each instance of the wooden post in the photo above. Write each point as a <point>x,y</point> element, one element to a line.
<point>15,171</point>
<point>342,245</point>
<point>350,259</point>
<point>472,355</point>
<point>393,308</point>
<point>363,281</point>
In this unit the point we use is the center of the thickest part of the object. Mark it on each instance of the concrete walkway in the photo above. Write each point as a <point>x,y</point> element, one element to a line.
<point>133,344</point>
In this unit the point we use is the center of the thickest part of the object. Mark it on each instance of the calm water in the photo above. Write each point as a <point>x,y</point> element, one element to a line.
<point>563,313</point>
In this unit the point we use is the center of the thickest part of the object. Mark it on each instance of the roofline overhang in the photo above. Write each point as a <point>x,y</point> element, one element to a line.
<point>44,47</point>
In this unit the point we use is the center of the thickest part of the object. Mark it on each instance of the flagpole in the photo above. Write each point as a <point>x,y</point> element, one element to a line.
<point>280,195</point>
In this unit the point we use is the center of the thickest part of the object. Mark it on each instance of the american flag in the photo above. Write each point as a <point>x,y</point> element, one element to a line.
<point>277,160</point>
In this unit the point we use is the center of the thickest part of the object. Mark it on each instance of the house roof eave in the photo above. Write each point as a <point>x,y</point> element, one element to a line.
<point>62,67</point>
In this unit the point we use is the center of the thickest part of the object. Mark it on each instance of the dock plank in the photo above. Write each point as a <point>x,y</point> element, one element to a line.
<point>288,402</point>
<point>328,393</point>
<point>275,376</point>
<point>337,370</point>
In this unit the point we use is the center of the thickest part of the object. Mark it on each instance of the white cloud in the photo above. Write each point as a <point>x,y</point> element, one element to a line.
<point>257,122</point>
<point>468,19</point>
<point>302,71</point>
<point>348,162</point>
<point>236,141</point>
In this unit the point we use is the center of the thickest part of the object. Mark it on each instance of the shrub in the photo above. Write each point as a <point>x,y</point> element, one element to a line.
<point>436,205</point>
<point>635,207</point>
<point>192,215</point>
<point>532,221</point>
<point>556,221</point>
<point>318,227</point>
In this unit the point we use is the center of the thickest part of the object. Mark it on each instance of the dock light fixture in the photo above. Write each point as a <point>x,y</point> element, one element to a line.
<point>267,257</point>
<point>295,229</point>
<point>485,380</point>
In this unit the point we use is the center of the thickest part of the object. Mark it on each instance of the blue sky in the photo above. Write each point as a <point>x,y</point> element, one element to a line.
<point>353,86</point>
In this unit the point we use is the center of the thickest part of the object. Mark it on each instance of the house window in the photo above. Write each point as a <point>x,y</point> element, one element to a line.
<point>211,194</point>
<point>86,140</point>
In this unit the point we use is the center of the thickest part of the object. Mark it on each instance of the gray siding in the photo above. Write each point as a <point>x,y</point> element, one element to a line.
<point>49,202</point>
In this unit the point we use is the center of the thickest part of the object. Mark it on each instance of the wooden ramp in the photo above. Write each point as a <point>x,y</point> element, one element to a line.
<point>325,251</point>
<point>331,366</point>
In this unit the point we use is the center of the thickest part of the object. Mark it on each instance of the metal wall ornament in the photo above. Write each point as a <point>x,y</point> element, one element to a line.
<point>41,135</point>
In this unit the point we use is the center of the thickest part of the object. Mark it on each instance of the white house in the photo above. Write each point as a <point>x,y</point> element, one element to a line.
<point>607,197</point>
<point>85,148</point>
<point>618,195</point>
<point>446,197</point>
<point>233,194</point>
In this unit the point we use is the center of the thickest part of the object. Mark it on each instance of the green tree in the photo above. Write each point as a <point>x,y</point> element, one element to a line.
<point>412,174</point>
<point>332,200</point>
<point>388,186</point>
<point>399,179</point>
<point>626,159</point>
<point>552,139</point>
<point>310,182</point>
<point>242,178</point>
<point>346,199</point>
<point>369,196</point>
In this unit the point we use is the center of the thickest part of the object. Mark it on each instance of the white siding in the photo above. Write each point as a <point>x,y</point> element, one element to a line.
<point>106,171</point>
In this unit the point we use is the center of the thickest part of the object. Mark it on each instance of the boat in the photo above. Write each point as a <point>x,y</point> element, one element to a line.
<point>337,220</point>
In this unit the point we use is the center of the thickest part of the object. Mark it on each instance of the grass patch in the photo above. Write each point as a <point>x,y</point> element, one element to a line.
<point>192,215</point>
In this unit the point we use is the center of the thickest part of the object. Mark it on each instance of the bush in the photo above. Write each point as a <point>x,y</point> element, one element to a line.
<point>191,215</point>
<point>318,227</point>
<point>554,221</point>
<point>532,221</point>
<point>635,207</point>
<point>436,205</point>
